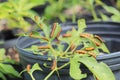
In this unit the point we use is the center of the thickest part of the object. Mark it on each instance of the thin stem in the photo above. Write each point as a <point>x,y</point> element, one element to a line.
<point>73,49</point>
<point>22,72</point>
<point>32,76</point>
<point>56,69</point>
<point>73,17</point>
<point>69,48</point>
<point>63,65</point>
<point>94,13</point>
<point>70,45</point>
<point>46,78</point>
<point>53,51</point>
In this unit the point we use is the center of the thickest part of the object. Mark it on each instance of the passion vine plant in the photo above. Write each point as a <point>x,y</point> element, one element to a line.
<point>82,49</point>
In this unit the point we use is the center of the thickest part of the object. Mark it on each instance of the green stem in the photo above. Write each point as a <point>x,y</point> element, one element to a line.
<point>74,16</point>
<point>46,78</point>
<point>32,76</point>
<point>94,13</point>
<point>63,65</point>
<point>69,48</point>
<point>22,72</point>
<point>73,49</point>
<point>53,51</point>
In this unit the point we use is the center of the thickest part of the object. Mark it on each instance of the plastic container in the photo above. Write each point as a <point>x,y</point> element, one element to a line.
<point>109,33</point>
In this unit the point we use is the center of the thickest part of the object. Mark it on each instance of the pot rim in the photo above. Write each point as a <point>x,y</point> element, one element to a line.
<point>31,55</point>
<point>100,57</point>
<point>93,22</point>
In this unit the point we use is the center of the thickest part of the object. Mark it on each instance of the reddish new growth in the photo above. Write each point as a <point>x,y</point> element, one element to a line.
<point>44,47</point>
<point>54,64</point>
<point>53,30</point>
<point>66,35</point>
<point>28,67</point>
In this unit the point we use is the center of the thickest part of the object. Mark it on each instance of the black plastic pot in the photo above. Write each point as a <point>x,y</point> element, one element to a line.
<point>8,34</point>
<point>108,30</point>
<point>8,37</point>
<point>9,43</point>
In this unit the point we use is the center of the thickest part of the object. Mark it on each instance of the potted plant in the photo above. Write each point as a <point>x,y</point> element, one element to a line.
<point>70,54</point>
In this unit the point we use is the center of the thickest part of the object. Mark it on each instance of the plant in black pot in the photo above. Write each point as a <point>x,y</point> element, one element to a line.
<point>62,53</point>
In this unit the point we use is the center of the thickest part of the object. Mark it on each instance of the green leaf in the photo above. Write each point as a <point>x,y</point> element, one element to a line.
<point>2,76</point>
<point>54,9</point>
<point>115,18</point>
<point>111,9</point>
<point>28,13</point>
<point>104,17</point>
<point>90,44</point>
<point>104,48</point>
<point>35,67</point>
<point>21,34</point>
<point>75,71</point>
<point>62,17</point>
<point>46,30</point>
<point>81,25</point>
<point>100,70</point>
<point>35,33</point>
<point>37,2</point>
<point>34,49</point>
<point>9,70</point>
<point>75,37</point>
<point>118,4</point>
<point>70,39</point>
<point>91,1</point>
<point>9,60</point>
<point>2,54</point>
<point>60,47</point>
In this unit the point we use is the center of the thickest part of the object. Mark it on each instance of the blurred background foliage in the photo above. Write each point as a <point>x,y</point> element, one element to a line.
<point>15,11</point>
<point>18,13</point>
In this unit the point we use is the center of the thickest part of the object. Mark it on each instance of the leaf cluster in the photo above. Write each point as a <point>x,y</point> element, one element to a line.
<point>14,11</point>
<point>79,47</point>
<point>55,9</point>
<point>5,66</point>
<point>112,10</point>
